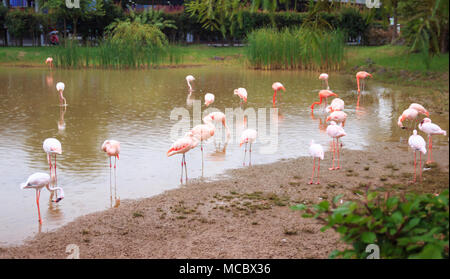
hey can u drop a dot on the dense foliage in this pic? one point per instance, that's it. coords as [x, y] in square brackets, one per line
[412, 226]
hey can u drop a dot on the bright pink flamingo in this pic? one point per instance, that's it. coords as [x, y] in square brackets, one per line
[181, 146]
[323, 94]
[203, 132]
[60, 87]
[112, 149]
[276, 87]
[324, 78]
[335, 131]
[316, 151]
[49, 61]
[209, 99]
[38, 181]
[430, 129]
[52, 146]
[361, 76]
[248, 136]
[417, 143]
[336, 104]
[242, 93]
[407, 114]
[338, 117]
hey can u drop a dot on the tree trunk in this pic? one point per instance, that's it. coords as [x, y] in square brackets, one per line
[444, 39]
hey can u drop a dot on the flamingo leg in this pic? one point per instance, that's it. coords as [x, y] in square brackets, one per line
[414, 180]
[115, 182]
[420, 165]
[332, 168]
[110, 165]
[181, 177]
[318, 171]
[110, 183]
[38, 195]
[49, 159]
[312, 175]
[56, 179]
[201, 148]
[250, 155]
[338, 164]
[185, 168]
[245, 153]
[115, 160]
[431, 149]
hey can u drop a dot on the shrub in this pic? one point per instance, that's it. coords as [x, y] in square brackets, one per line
[411, 226]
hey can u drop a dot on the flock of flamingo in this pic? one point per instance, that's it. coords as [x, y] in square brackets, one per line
[202, 132]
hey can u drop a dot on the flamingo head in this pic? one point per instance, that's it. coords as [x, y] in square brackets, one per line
[59, 194]
[243, 141]
[425, 120]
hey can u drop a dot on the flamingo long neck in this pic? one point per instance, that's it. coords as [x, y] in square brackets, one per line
[316, 103]
[189, 84]
[326, 83]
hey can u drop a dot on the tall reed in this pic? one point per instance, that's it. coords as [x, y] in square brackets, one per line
[299, 48]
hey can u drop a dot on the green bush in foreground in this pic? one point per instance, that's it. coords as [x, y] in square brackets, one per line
[413, 226]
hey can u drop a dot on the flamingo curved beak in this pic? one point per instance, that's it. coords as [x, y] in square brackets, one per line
[328, 119]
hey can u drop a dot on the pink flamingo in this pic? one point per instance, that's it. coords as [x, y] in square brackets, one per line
[417, 143]
[203, 132]
[52, 146]
[323, 94]
[362, 76]
[316, 151]
[338, 117]
[336, 104]
[276, 87]
[248, 136]
[38, 181]
[324, 77]
[335, 131]
[218, 117]
[60, 87]
[190, 79]
[49, 61]
[209, 99]
[181, 146]
[430, 129]
[112, 149]
[242, 93]
[420, 109]
[407, 114]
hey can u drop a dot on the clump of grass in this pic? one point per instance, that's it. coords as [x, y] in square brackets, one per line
[137, 214]
[299, 48]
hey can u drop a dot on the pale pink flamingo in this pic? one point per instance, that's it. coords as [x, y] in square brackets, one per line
[407, 114]
[324, 78]
[242, 93]
[60, 87]
[417, 143]
[338, 117]
[52, 146]
[276, 87]
[203, 132]
[112, 149]
[181, 146]
[248, 136]
[49, 61]
[420, 109]
[335, 132]
[336, 104]
[38, 181]
[218, 117]
[190, 79]
[209, 99]
[430, 129]
[361, 77]
[316, 151]
[323, 94]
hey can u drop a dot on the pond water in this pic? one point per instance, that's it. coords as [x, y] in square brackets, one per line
[134, 107]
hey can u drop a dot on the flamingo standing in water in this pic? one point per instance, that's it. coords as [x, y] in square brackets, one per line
[203, 132]
[38, 181]
[52, 146]
[248, 136]
[60, 87]
[190, 79]
[209, 99]
[430, 129]
[323, 94]
[49, 61]
[316, 151]
[242, 93]
[338, 117]
[417, 143]
[181, 146]
[408, 114]
[335, 132]
[218, 117]
[361, 77]
[324, 78]
[276, 87]
[112, 149]
[336, 104]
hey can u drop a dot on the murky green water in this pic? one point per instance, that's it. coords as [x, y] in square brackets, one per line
[134, 107]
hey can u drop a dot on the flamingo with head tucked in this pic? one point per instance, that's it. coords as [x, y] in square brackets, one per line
[335, 132]
[276, 86]
[181, 146]
[336, 104]
[190, 79]
[38, 181]
[420, 109]
[361, 77]
[338, 117]
[248, 136]
[242, 93]
[60, 87]
[323, 94]
[209, 99]
[316, 151]
[112, 149]
[417, 143]
[324, 78]
[430, 129]
[408, 114]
